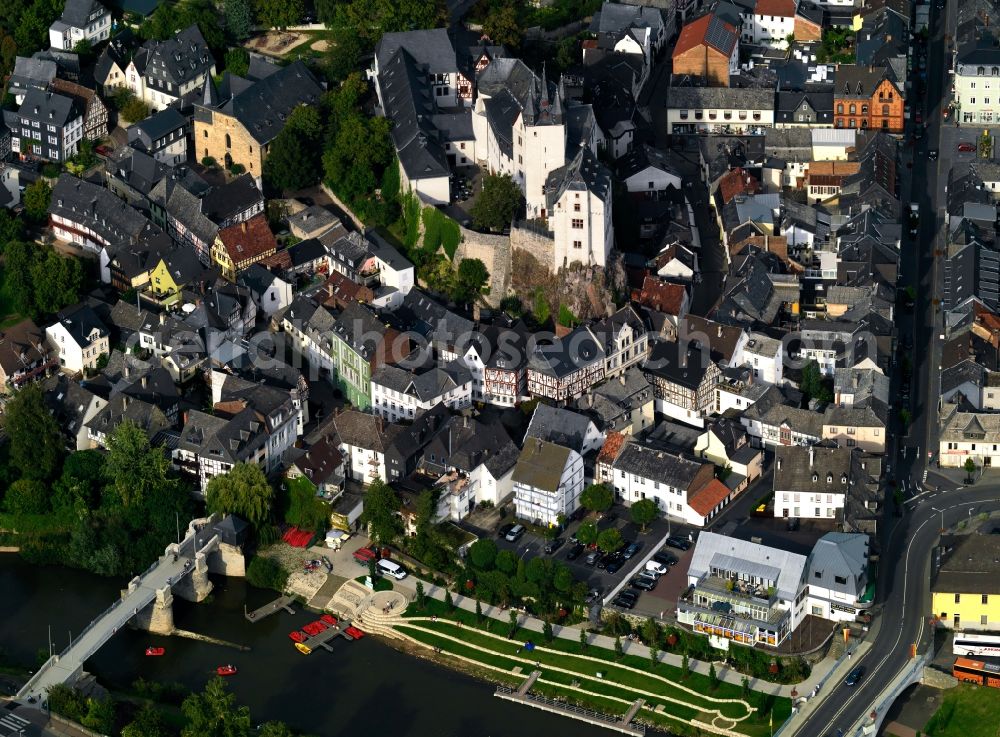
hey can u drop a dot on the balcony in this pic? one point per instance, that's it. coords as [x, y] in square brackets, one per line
[370, 277]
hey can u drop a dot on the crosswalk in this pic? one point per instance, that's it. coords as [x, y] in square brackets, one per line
[11, 724]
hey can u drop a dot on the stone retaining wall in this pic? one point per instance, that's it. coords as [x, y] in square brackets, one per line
[494, 252]
[540, 246]
[358, 225]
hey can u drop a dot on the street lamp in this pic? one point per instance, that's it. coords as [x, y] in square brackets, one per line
[942, 516]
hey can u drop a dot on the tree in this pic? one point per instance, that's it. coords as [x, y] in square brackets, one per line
[293, 159]
[342, 56]
[381, 513]
[421, 595]
[501, 25]
[619, 650]
[654, 655]
[147, 723]
[506, 562]
[583, 639]
[81, 481]
[36, 199]
[275, 729]
[685, 666]
[11, 228]
[562, 579]
[371, 19]
[100, 716]
[513, 623]
[470, 281]
[214, 713]
[479, 611]
[239, 20]
[449, 602]
[134, 110]
[27, 496]
[597, 498]
[483, 553]
[279, 13]
[267, 573]
[547, 633]
[587, 534]
[713, 677]
[132, 466]
[970, 469]
[610, 540]
[36, 445]
[745, 687]
[651, 632]
[813, 385]
[243, 491]
[238, 61]
[497, 203]
[644, 512]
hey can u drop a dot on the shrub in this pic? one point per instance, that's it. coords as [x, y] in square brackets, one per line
[267, 573]
[135, 110]
[236, 169]
[208, 161]
[51, 170]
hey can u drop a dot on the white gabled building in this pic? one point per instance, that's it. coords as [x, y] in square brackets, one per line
[839, 586]
[548, 480]
[398, 394]
[80, 338]
[764, 356]
[81, 20]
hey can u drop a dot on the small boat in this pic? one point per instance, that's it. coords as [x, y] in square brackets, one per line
[154, 651]
[354, 632]
[297, 636]
[329, 619]
[226, 670]
[304, 649]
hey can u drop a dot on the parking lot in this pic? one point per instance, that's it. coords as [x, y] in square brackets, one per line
[662, 599]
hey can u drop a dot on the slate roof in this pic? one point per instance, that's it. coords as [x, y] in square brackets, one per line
[321, 461]
[541, 465]
[427, 385]
[803, 421]
[613, 17]
[642, 157]
[136, 168]
[431, 319]
[68, 401]
[560, 426]
[431, 47]
[814, 469]
[357, 322]
[176, 61]
[728, 98]
[46, 107]
[578, 349]
[970, 566]
[842, 555]
[721, 339]
[21, 345]
[31, 73]
[656, 465]
[582, 173]
[785, 569]
[681, 363]
[264, 106]
[148, 417]
[108, 216]
[789, 104]
[77, 12]
[466, 443]
[156, 126]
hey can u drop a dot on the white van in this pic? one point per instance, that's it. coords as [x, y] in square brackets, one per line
[656, 567]
[392, 569]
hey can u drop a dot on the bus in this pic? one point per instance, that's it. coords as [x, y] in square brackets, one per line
[976, 644]
[977, 671]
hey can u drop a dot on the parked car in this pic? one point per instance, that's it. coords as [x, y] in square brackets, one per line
[626, 599]
[966, 147]
[614, 565]
[514, 534]
[642, 583]
[504, 529]
[630, 550]
[553, 545]
[575, 552]
[592, 557]
[932, 154]
[655, 566]
[605, 560]
[855, 676]
[665, 558]
[679, 543]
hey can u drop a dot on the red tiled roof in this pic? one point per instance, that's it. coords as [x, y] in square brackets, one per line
[662, 296]
[708, 497]
[693, 35]
[736, 182]
[248, 240]
[611, 448]
[782, 8]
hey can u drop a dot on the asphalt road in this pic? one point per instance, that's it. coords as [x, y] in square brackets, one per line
[903, 589]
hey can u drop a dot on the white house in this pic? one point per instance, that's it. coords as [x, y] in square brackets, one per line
[682, 488]
[269, 291]
[548, 481]
[764, 356]
[579, 205]
[838, 583]
[162, 72]
[398, 394]
[80, 338]
[718, 109]
[773, 22]
[813, 482]
[647, 171]
[977, 80]
[81, 20]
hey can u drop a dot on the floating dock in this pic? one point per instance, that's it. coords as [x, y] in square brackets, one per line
[282, 603]
[323, 638]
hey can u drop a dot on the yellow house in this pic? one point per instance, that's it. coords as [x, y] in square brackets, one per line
[174, 272]
[965, 593]
[727, 444]
[239, 246]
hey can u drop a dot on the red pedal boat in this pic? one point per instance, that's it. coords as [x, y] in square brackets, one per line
[330, 620]
[154, 651]
[355, 633]
[226, 670]
[297, 636]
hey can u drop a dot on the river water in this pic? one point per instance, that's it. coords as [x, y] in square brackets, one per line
[363, 685]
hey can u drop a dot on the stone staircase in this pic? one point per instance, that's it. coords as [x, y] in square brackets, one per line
[350, 600]
[374, 622]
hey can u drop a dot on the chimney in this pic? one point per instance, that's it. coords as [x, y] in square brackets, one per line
[144, 381]
[718, 332]
[779, 464]
[243, 226]
[812, 455]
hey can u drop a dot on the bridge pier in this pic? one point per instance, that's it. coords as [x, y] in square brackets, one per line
[196, 585]
[158, 617]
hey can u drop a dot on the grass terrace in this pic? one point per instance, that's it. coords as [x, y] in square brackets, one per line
[967, 711]
[593, 676]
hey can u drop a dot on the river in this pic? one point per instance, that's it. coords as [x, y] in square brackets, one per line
[363, 685]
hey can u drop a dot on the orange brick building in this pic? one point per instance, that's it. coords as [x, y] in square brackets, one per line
[707, 47]
[867, 97]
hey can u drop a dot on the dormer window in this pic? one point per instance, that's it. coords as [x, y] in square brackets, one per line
[829, 478]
